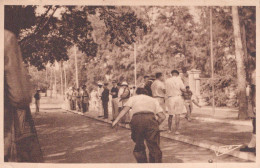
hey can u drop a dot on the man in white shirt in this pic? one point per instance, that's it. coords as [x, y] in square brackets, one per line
[158, 89]
[99, 101]
[144, 125]
[175, 103]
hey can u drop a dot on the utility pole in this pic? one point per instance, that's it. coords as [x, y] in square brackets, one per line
[135, 61]
[61, 79]
[212, 63]
[65, 78]
[76, 66]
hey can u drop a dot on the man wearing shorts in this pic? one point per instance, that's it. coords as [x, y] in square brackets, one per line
[174, 87]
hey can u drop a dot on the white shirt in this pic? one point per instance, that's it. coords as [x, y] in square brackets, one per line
[173, 86]
[158, 88]
[143, 103]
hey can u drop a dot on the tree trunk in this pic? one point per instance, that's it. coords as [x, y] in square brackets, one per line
[241, 73]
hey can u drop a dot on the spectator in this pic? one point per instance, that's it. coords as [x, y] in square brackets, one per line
[17, 114]
[37, 98]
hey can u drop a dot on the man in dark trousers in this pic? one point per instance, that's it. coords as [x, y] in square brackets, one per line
[105, 99]
[147, 85]
[85, 99]
[114, 93]
[147, 116]
[37, 98]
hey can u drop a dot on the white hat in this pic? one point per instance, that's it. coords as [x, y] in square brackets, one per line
[99, 83]
[124, 84]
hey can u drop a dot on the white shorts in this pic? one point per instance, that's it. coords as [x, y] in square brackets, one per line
[175, 105]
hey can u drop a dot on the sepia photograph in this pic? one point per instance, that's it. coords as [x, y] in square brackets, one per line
[129, 84]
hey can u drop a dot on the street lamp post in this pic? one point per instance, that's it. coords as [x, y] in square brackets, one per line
[135, 61]
[76, 66]
[212, 63]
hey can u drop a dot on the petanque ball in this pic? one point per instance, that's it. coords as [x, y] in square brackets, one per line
[210, 161]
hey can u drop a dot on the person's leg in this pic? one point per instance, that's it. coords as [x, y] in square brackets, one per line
[84, 107]
[177, 123]
[105, 106]
[116, 107]
[152, 137]
[113, 109]
[188, 110]
[137, 135]
[170, 122]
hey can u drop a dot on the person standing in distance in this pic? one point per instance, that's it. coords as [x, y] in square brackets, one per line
[105, 99]
[158, 89]
[37, 98]
[189, 100]
[144, 125]
[175, 103]
[114, 93]
[99, 101]
[85, 99]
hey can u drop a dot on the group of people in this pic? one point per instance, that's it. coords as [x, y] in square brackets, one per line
[173, 96]
[153, 99]
[78, 98]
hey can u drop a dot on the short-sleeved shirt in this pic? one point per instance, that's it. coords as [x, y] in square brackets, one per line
[114, 90]
[187, 95]
[173, 86]
[143, 103]
[158, 88]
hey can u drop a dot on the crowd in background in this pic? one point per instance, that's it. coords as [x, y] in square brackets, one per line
[155, 86]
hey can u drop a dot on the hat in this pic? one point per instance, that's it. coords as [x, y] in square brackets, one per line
[124, 84]
[113, 81]
[99, 83]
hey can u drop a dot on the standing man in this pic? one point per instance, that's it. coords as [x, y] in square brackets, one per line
[105, 99]
[85, 99]
[123, 98]
[79, 101]
[114, 93]
[74, 98]
[99, 101]
[189, 99]
[37, 98]
[158, 89]
[251, 147]
[147, 85]
[174, 87]
[144, 126]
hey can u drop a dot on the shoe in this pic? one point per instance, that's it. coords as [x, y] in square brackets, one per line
[247, 149]
[100, 116]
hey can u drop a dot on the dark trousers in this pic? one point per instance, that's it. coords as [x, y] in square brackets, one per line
[79, 104]
[145, 127]
[73, 104]
[105, 107]
[254, 125]
[84, 107]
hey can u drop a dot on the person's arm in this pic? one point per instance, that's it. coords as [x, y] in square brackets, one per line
[161, 117]
[121, 114]
[193, 101]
